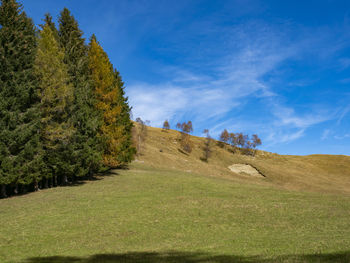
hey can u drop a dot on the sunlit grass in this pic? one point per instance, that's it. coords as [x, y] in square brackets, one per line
[152, 210]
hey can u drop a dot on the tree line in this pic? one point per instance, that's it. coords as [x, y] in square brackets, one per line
[241, 141]
[238, 141]
[63, 110]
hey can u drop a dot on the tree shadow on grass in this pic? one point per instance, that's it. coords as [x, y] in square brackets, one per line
[187, 257]
[95, 177]
[76, 182]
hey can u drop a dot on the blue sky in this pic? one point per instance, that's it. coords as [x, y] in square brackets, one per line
[280, 69]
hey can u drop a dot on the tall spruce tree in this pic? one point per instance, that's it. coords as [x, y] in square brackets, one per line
[86, 118]
[116, 127]
[20, 148]
[123, 120]
[56, 94]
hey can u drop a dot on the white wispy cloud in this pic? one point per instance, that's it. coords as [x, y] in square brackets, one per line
[325, 134]
[288, 126]
[156, 103]
[343, 113]
[169, 101]
[286, 116]
[341, 137]
[233, 81]
[275, 137]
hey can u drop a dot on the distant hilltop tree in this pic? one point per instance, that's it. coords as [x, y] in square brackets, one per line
[233, 139]
[256, 141]
[240, 141]
[207, 148]
[140, 133]
[185, 128]
[224, 138]
[166, 125]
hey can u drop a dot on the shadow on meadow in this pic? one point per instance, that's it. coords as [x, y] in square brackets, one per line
[76, 182]
[190, 258]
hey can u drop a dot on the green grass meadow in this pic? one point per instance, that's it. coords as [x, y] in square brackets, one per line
[154, 215]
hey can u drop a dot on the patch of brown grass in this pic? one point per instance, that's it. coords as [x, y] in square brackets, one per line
[315, 173]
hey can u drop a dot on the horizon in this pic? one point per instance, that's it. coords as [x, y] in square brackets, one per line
[278, 70]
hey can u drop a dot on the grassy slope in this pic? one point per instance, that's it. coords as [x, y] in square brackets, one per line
[172, 214]
[152, 210]
[321, 173]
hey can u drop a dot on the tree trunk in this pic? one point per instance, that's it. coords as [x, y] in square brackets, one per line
[3, 191]
[46, 183]
[64, 180]
[50, 182]
[90, 176]
[55, 181]
[15, 190]
[24, 189]
[36, 186]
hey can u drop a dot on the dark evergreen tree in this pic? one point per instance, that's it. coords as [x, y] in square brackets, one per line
[127, 151]
[20, 148]
[86, 119]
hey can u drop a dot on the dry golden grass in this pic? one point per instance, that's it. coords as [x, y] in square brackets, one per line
[315, 173]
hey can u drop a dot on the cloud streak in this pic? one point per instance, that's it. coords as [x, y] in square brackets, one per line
[231, 80]
[242, 78]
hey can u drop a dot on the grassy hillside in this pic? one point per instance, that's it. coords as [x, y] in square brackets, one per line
[154, 215]
[321, 173]
[172, 207]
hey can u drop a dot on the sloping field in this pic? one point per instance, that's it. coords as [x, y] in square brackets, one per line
[317, 173]
[173, 207]
[154, 215]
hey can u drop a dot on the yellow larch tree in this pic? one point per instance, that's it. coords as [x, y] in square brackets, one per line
[108, 95]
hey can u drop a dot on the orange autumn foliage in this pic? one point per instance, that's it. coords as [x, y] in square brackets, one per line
[108, 102]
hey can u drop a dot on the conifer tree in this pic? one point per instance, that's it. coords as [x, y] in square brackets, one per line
[56, 94]
[116, 126]
[86, 118]
[127, 152]
[20, 148]
[48, 21]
